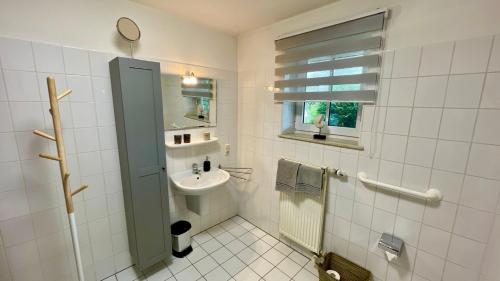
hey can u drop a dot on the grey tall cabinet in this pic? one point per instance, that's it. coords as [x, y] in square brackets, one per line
[141, 143]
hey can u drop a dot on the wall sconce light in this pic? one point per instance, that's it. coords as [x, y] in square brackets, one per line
[189, 79]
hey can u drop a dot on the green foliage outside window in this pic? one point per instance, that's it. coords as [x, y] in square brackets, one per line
[205, 104]
[339, 114]
[343, 114]
[312, 109]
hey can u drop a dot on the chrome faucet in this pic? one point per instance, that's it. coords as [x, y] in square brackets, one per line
[196, 170]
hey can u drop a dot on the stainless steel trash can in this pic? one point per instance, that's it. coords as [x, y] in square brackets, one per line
[181, 239]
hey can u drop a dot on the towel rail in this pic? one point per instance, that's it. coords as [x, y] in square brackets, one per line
[244, 175]
[431, 194]
[334, 171]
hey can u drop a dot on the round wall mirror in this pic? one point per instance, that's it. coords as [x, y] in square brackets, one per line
[128, 29]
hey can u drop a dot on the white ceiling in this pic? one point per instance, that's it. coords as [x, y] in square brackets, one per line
[235, 16]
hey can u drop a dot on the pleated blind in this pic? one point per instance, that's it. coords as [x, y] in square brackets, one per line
[204, 88]
[336, 63]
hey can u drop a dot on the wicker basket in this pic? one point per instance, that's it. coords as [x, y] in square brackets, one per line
[348, 270]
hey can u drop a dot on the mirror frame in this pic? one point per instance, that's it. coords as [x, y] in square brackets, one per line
[126, 37]
[214, 97]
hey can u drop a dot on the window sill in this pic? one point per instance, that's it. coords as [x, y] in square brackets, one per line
[351, 144]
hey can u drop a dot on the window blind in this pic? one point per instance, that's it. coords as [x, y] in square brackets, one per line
[336, 63]
[204, 88]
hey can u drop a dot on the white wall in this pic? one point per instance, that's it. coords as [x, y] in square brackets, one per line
[90, 24]
[412, 23]
[420, 141]
[34, 235]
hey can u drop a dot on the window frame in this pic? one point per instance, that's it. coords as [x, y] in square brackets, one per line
[330, 130]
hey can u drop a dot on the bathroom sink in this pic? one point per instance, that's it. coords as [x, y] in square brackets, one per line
[188, 183]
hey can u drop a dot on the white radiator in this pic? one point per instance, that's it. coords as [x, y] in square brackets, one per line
[302, 217]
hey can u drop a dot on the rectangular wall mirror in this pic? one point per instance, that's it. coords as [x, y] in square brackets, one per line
[188, 105]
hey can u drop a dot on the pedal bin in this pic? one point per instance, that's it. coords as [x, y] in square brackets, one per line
[181, 239]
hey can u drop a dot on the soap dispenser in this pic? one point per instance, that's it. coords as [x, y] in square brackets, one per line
[206, 165]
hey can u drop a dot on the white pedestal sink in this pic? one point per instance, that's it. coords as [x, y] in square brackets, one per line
[194, 186]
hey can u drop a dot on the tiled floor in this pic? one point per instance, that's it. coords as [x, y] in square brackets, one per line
[234, 250]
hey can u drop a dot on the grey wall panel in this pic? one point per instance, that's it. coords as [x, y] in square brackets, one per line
[139, 125]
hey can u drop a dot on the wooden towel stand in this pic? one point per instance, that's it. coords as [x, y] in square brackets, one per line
[61, 158]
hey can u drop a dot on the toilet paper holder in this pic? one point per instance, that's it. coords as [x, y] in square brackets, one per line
[391, 244]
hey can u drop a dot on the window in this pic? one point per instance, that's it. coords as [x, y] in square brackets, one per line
[341, 118]
[312, 109]
[343, 114]
[337, 114]
[205, 104]
[331, 71]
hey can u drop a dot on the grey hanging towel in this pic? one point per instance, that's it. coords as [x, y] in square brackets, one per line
[309, 180]
[286, 176]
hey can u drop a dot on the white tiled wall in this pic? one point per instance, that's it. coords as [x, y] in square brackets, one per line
[436, 124]
[34, 235]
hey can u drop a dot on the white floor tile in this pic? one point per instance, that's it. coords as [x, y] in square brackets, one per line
[238, 231]
[249, 238]
[188, 274]
[178, 265]
[206, 265]
[258, 232]
[235, 246]
[221, 255]
[283, 248]
[304, 275]
[225, 237]
[238, 220]
[247, 255]
[260, 247]
[218, 274]
[248, 226]
[211, 246]
[247, 275]
[233, 266]
[128, 274]
[270, 240]
[299, 258]
[197, 254]
[289, 267]
[311, 267]
[229, 224]
[234, 250]
[261, 266]
[276, 275]
[202, 237]
[273, 256]
[216, 230]
[194, 243]
[160, 274]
